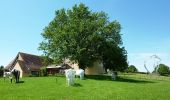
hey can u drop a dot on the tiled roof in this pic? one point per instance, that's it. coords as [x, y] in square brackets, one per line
[29, 62]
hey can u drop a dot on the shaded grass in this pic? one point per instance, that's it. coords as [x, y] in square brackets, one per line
[92, 88]
[119, 79]
[145, 76]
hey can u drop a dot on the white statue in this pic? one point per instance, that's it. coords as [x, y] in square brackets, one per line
[80, 72]
[70, 75]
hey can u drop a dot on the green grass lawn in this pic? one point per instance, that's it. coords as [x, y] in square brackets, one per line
[127, 87]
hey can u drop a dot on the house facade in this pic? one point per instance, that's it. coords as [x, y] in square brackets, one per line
[97, 67]
[27, 64]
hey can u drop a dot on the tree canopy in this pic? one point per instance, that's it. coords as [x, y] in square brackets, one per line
[132, 69]
[163, 69]
[84, 36]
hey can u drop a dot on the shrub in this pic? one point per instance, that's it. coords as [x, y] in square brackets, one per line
[43, 71]
[132, 69]
[163, 69]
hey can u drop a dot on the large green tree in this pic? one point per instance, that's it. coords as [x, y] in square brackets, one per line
[84, 36]
[163, 69]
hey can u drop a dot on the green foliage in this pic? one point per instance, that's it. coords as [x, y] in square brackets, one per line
[132, 69]
[46, 60]
[84, 36]
[115, 58]
[163, 69]
[43, 71]
[1, 71]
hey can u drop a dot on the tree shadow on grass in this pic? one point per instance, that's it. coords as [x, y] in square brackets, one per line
[77, 85]
[20, 82]
[129, 80]
[119, 79]
[98, 77]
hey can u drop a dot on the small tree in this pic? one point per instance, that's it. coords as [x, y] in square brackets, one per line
[1, 70]
[132, 69]
[163, 69]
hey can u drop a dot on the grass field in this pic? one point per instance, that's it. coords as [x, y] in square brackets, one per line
[127, 87]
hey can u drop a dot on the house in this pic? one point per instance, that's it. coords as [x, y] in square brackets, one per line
[53, 69]
[96, 68]
[28, 64]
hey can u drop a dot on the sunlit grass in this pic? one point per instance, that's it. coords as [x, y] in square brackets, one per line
[127, 87]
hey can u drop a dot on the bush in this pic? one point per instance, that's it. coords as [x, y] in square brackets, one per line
[1, 71]
[43, 71]
[132, 69]
[163, 69]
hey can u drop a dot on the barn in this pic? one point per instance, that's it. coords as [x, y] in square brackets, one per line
[28, 64]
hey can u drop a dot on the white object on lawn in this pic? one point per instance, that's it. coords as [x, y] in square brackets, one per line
[80, 72]
[70, 75]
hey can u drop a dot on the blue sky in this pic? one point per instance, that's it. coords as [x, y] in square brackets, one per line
[145, 26]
